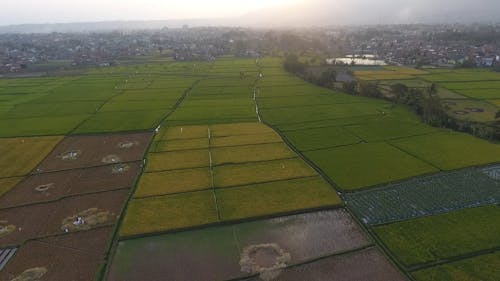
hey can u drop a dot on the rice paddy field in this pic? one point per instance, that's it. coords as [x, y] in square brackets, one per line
[236, 170]
[468, 94]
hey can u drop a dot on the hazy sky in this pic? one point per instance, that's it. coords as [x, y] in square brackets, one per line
[54, 11]
[284, 12]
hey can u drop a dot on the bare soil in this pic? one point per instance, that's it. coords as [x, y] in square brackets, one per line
[68, 257]
[46, 219]
[90, 151]
[53, 186]
[367, 264]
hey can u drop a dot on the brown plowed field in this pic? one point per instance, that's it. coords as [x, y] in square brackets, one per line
[89, 151]
[53, 186]
[72, 257]
[45, 219]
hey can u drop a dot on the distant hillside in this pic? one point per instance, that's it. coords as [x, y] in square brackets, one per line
[107, 26]
[309, 13]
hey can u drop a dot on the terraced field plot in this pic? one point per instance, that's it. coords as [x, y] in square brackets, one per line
[171, 182]
[468, 94]
[217, 100]
[18, 156]
[377, 163]
[450, 150]
[344, 267]
[53, 186]
[480, 268]
[252, 173]
[359, 142]
[91, 104]
[239, 178]
[176, 160]
[221, 193]
[274, 198]
[389, 73]
[42, 220]
[162, 213]
[62, 215]
[177, 256]
[89, 151]
[65, 257]
[441, 237]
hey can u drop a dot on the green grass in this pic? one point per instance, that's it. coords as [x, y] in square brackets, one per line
[434, 238]
[364, 165]
[28, 110]
[318, 138]
[118, 106]
[163, 161]
[466, 75]
[277, 197]
[250, 173]
[120, 121]
[388, 128]
[163, 183]
[251, 153]
[40, 126]
[480, 93]
[279, 116]
[196, 115]
[208, 102]
[148, 95]
[481, 268]
[465, 105]
[157, 214]
[451, 150]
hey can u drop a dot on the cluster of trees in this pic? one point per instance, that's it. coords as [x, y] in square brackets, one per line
[424, 102]
[496, 66]
[326, 78]
[427, 104]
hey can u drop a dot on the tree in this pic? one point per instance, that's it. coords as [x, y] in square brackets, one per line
[369, 89]
[328, 78]
[497, 116]
[350, 87]
[496, 66]
[468, 63]
[293, 65]
[399, 88]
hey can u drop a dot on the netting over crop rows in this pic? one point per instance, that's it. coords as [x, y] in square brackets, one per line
[426, 196]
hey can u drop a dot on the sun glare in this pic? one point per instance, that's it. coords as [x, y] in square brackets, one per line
[231, 7]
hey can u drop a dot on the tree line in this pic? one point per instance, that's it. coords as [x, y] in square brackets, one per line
[425, 102]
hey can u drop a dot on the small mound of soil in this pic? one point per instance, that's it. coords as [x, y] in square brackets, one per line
[86, 220]
[70, 155]
[32, 274]
[120, 168]
[128, 144]
[6, 229]
[110, 159]
[44, 187]
[267, 260]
